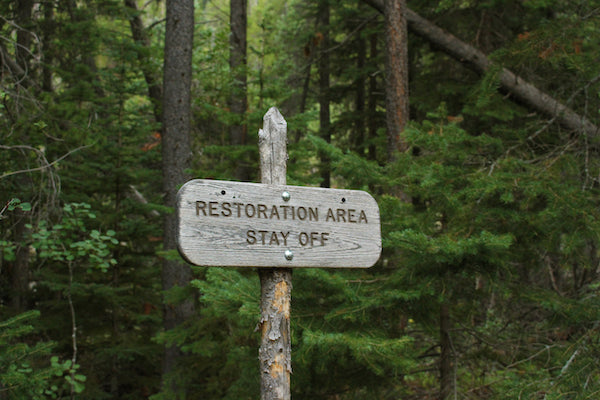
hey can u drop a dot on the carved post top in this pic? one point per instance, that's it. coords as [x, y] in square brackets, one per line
[272, 144]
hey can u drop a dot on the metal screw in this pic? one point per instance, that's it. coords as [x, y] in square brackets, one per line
[285, 196]
[289, 255]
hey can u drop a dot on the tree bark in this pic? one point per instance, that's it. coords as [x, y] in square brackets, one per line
[18, 67]
[23, 45]
[324, 112]
[276, 284]
[20, 270]
[446, 361]
[396, 74]
[372, 102]
[238, 102]
[521, 90]
[176, 155]
[361, 56]
[48, 29]
[20, 267]
[309, 51]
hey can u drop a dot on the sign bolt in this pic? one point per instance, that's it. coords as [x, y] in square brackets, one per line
[285, 196]
[289, 255]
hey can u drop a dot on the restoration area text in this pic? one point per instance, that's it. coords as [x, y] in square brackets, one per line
[226, 209]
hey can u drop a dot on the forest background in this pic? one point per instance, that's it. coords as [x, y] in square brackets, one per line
[473, 123]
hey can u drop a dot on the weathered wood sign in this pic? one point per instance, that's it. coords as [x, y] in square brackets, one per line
[241, 224]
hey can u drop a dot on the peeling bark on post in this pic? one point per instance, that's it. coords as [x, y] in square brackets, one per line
[275, 352]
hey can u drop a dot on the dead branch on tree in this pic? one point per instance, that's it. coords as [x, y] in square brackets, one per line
[476, 60]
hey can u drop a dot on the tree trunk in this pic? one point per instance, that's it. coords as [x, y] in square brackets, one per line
[23, 45]
[446, 354]
[176, 154]
[324, 113]
[309, 51]
[20, 270]
[237, 64]
[396, 74]
[304, 98]
[372, 102]
[520, 89]
[48, 58]
[276, 284]
[20, 267]
[359, 134]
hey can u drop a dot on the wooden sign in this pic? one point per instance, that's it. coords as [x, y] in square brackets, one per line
[242, 224]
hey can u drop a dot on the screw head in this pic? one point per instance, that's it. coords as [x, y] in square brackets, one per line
[285, 196]
[288, 255]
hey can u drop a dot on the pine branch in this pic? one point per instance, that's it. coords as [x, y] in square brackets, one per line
[138, 32]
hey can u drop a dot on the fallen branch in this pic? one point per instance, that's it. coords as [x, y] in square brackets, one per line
[476, 60]
[142, 200]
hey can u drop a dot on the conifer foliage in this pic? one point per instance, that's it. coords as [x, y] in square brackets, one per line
[487, 284]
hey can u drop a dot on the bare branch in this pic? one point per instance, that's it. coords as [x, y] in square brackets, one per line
[39, 153]
[19, 74]
[141, 199]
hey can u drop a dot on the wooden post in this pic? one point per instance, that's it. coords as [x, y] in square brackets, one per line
[275, 352]
[210, 233]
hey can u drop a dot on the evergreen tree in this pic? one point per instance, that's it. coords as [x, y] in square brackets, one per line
[486, 285]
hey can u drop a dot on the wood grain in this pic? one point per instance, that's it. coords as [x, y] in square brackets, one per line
[241, 224]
